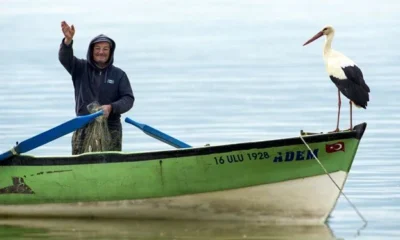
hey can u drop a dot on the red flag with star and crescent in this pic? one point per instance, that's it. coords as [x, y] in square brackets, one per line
[334, 147]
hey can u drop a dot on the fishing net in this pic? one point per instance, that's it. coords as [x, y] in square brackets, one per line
[97, 137]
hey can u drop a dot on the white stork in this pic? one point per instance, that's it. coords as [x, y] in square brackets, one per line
[344, 73]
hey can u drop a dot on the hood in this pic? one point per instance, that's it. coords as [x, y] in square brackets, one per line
[100, 38]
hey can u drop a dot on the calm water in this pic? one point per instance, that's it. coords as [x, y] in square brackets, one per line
[213, 72]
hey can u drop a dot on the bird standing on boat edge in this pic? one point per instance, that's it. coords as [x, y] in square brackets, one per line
[344, 73]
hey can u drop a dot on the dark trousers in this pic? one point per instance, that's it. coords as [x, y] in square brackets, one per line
[78, 138]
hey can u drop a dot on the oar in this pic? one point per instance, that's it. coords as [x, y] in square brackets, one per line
[158, 134]
[50, 135]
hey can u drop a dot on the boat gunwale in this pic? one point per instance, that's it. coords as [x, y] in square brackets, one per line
[119, 157]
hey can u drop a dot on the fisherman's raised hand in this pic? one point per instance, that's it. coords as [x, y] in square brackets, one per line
[106, 110]
[68, 31]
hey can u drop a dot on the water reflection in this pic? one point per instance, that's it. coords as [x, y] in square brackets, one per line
[133, 229]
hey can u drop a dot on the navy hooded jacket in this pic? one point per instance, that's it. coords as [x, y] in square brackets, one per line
[109, 85]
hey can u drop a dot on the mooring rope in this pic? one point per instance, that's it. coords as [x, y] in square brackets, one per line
[340, 190]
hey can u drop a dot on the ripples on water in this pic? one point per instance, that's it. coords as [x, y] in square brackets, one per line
[128, 229]
[218, 72]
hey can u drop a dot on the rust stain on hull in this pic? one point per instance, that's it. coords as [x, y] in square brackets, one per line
[19, 186]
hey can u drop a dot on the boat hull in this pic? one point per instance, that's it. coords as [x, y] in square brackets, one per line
[305, 201]
[277, 180]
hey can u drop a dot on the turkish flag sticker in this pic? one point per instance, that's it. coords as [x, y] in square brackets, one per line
[335, 147]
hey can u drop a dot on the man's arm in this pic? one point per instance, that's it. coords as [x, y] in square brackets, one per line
[66, 53]
[68, 60]
[126, 100]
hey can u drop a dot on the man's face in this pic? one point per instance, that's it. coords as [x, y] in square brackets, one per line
[101, 52]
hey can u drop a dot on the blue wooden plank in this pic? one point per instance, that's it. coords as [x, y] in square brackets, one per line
[50, 135]
[158, 134]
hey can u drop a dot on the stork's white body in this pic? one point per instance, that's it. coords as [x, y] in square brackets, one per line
[335, 62]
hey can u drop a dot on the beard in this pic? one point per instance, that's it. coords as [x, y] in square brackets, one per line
[102, 61]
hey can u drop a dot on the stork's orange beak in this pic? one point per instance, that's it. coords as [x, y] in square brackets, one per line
[318, 35]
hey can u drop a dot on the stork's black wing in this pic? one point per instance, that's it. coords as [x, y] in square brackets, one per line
[354, 74]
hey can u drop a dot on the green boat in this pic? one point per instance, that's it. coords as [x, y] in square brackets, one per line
[289, 180]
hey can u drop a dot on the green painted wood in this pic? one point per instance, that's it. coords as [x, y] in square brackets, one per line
[169, 176]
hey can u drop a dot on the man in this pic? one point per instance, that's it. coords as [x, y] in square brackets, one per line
[96, 79]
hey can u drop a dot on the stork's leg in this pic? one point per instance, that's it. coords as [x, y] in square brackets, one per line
[338, 114]
[351, 116]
